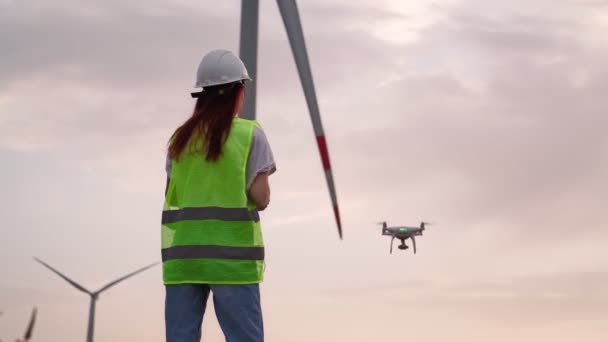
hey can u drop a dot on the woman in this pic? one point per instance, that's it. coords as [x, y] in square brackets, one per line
[217, 181]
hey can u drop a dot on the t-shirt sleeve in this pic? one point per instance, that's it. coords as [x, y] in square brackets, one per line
[261, 158]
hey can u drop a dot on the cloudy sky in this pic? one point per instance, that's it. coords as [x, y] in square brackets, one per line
[486, 118]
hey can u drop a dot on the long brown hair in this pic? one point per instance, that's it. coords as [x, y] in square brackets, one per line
[210, 122]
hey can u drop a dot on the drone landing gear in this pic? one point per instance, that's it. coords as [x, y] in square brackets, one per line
[403, 246]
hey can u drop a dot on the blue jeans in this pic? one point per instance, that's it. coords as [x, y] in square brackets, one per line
[237, 308]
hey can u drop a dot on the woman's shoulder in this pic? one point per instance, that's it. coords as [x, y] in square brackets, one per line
[259, 139]
[259, 135]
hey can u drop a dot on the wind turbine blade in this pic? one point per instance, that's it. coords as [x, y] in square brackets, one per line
[291, 20]
[248, 52]
[75, 284]
[125, 277]
[392, 239]
[30, 328]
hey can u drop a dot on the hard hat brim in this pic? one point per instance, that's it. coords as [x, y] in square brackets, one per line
[218, 82]
[200, 93]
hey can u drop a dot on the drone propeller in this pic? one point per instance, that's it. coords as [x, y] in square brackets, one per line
[382, 227]
[424, 224]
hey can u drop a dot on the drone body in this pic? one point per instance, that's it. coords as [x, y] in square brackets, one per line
[403, 233]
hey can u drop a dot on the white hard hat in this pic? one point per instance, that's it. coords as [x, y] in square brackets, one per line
[220, 67]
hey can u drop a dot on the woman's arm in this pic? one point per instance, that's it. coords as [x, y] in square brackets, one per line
[259, 192]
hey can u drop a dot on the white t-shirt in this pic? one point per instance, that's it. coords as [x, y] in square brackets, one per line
[260, 157]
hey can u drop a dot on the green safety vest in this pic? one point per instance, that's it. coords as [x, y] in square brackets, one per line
[211, 231]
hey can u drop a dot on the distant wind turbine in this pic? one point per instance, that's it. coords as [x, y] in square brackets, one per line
[94, 295]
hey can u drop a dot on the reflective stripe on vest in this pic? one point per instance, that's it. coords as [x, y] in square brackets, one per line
[210, 213]
[213, 252]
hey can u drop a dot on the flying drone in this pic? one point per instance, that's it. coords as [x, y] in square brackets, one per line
[403, 233]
